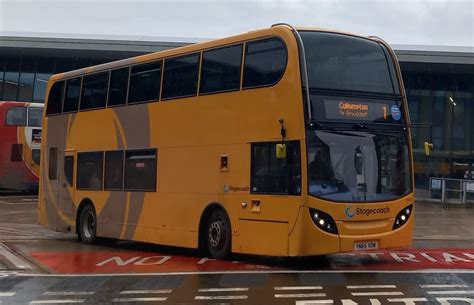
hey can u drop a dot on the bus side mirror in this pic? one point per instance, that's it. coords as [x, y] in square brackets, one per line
[428, 147]
[281, 151]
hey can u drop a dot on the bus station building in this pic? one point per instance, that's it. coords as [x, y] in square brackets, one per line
[439, 83]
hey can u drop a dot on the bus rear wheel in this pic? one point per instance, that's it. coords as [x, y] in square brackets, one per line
[88, 225]
[218, 234]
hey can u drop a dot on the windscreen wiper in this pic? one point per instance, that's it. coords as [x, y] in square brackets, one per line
[365, 125]
[356, 94]
[380, 131]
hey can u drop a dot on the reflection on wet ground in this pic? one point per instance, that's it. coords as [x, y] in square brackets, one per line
[39, 266]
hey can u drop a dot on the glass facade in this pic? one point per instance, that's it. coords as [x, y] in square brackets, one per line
[24, 78]
[441, 95]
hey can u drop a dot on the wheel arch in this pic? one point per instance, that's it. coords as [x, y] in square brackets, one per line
[84, 202]
[204, 216]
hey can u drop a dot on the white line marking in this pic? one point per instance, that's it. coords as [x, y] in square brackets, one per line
[220, 297]
[7, 273]
[18, 203]
[408, 300]
[67, 301]
[444, 286]
[68, 293]
[309, 302]
[146, 291]
[429, 271]
[300, 295]
[448, 300]
[18, 262]
[222, 289]
[126, 300]
[377, 293]
[7, 294]
[371, 286]
[452, 292]
[298, 288]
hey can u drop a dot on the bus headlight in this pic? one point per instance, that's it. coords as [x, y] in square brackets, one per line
[402, 217]
[323, 221]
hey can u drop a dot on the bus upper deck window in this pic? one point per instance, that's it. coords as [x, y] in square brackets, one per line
[16, 116]
[221, 69]
[71, 97]
[55, 98]
[35, 116]
[265, 62]
[94, 91]
[180, 76]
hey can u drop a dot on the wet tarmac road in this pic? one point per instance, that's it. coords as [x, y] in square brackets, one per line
[244, 288]
[38, 266]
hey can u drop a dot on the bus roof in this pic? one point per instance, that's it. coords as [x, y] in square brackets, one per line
[278, 28]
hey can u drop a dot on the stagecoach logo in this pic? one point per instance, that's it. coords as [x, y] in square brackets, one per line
[351, 212]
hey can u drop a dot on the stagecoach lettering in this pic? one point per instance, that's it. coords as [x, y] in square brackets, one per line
[239, 188]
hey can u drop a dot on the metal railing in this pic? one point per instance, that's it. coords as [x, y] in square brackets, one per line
[456, 191]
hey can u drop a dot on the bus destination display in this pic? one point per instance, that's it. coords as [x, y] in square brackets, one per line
[360, 110]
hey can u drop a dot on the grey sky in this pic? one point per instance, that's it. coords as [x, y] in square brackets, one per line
[432, 22]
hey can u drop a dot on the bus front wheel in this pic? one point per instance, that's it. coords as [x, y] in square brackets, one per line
[218, 234]
[88, 225]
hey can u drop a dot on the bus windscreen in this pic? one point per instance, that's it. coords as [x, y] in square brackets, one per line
[358, 166]
[344, 62]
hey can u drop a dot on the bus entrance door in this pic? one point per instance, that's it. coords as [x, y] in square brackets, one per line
[66, 214]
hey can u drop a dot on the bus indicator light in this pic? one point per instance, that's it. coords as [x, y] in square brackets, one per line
[402, 217]
[323, 221]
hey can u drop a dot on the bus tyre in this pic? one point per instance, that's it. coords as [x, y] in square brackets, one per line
[88, 225]
[218, 234]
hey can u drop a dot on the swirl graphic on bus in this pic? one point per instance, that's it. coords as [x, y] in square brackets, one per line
[350, 212]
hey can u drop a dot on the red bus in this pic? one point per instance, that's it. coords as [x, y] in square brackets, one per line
[20, 142]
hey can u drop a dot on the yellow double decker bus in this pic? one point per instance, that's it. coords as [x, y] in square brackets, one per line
[280, 141]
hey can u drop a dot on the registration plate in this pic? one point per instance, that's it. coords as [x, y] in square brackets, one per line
[366, 245]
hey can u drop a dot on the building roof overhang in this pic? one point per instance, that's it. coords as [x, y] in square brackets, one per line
[122, 46]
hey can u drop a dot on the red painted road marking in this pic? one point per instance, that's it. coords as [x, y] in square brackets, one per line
[133, 261]
[152, 262]
[405, 259]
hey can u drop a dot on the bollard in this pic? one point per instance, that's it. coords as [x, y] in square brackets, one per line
[464, 191]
